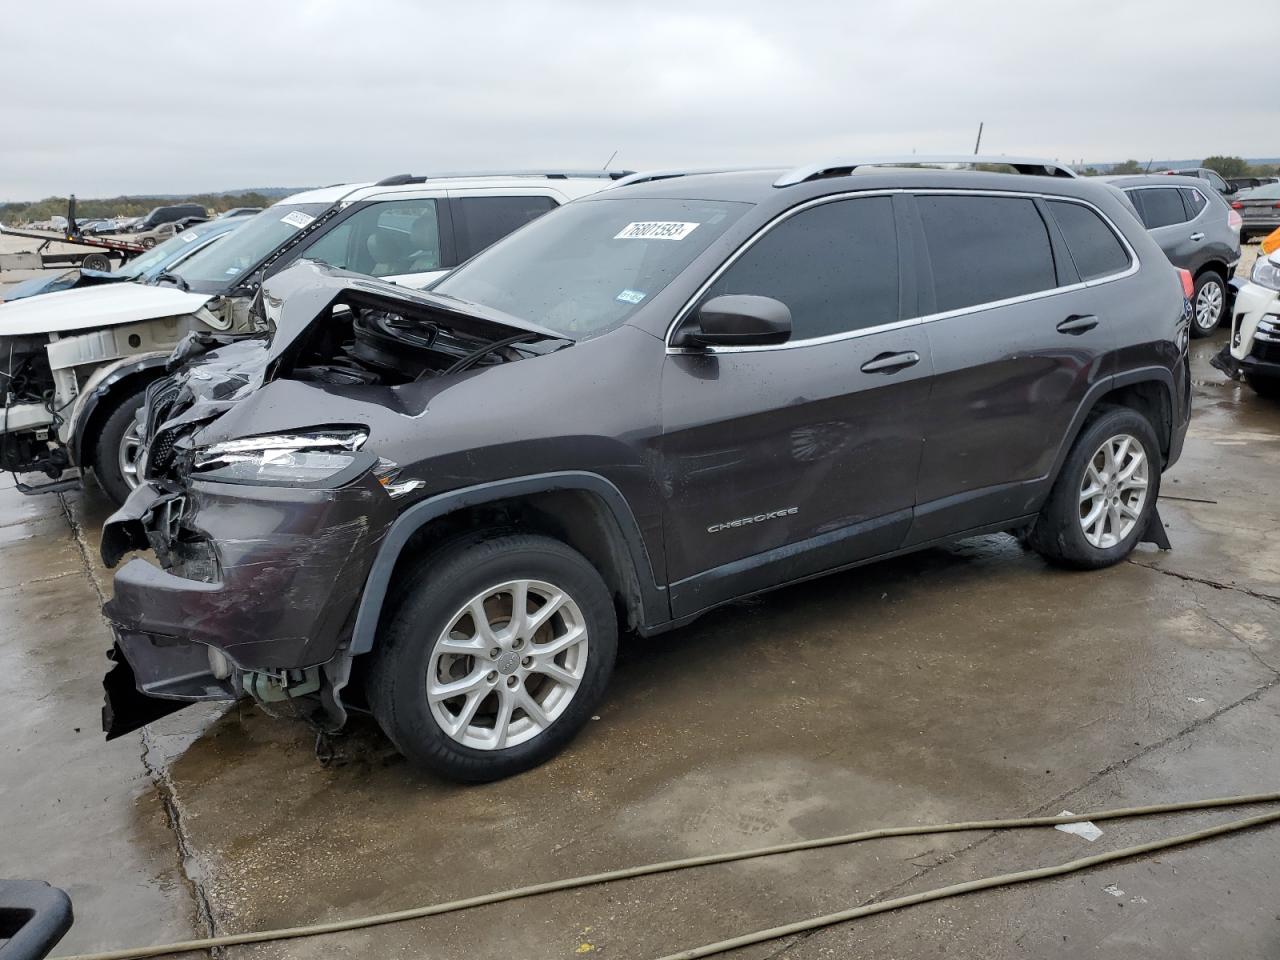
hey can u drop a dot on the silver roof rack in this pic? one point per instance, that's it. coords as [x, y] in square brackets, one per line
[649, 176]
[406, 178]
[1031, 166]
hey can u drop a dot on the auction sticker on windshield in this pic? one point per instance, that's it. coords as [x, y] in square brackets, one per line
[656, 230]
[297, 219]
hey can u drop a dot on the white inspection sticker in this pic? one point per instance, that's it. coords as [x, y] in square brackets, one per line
[297, 219]
[656, 230]
[187, 237]
[629, 296]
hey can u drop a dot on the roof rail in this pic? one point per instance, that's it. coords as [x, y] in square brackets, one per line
[403, 178]
[650, 176]
[1030, 166]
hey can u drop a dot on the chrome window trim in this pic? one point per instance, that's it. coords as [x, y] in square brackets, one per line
[683, 313]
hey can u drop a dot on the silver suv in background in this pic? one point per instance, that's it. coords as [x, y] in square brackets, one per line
[1197, 230]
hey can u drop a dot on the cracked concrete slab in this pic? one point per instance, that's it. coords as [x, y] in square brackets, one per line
[958, 683]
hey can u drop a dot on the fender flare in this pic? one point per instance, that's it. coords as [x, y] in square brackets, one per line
[654, 606]
[91, 400]
[1161, 375]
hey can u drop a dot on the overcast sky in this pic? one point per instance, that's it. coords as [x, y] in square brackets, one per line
[134, 97]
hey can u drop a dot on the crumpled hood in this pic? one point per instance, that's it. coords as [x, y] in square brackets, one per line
[293, 301]
[106, 305]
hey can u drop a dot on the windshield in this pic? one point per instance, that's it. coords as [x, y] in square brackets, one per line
[583, 269]
[154, 260]
[222, 265]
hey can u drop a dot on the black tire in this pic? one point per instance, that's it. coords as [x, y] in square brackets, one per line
[431, 595]
[1268, 387]
[1212, 280]
[96, 261]
[106, 448]
[148, 243]
[1058, 534]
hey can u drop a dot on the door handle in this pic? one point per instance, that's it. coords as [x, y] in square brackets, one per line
[1197, 236]
[1076, 325]
[891, 362]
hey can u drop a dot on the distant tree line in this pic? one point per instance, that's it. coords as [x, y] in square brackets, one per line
[1227, 166]
[39, 210]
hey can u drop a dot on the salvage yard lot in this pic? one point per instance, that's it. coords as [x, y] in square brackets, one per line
[959, 683]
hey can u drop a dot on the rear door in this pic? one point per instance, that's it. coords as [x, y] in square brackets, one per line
[1165, 214]
[781, 462]
[1018, 339]
[481, 218]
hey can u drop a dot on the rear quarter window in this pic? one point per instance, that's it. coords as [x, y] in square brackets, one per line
[984, 249]
[1094, 247]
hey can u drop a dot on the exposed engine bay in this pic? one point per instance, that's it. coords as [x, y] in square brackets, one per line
[360, 345]
[31, 410]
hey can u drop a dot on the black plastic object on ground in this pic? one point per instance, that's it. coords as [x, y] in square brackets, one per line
[33, 918]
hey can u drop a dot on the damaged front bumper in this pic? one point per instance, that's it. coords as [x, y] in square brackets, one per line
[257, 596]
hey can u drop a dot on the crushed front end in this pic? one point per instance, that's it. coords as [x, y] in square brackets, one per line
[256, 586]
[265, 499]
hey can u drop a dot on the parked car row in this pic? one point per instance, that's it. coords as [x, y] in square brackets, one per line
[443, 506]
[1197, 230]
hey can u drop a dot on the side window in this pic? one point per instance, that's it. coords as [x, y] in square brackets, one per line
[480, 222]
[1216, 181]
[985, 249]
[384, 239]
[1193, 200]
[1161, 207]
[1096, 250]
[835, 266]
[332, 247]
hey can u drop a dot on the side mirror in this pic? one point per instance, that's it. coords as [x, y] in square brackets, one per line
[736, 320]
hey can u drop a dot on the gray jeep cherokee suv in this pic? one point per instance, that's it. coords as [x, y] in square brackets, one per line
[641, 406]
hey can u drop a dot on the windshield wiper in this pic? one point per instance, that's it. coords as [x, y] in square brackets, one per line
[174, 279]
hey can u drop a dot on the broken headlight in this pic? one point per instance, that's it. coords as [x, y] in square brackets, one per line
[280, 458]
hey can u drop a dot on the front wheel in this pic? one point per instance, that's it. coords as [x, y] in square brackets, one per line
[1208, 304]
[116, 452]
[495, 654]
[1105, 494]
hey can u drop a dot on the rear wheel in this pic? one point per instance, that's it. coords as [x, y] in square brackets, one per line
[115, 456]
[1105, 494]
[1208, 304]
[96, 261]
[494, 656]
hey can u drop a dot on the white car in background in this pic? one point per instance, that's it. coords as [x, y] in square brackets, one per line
[1254, 349]
[77, 363]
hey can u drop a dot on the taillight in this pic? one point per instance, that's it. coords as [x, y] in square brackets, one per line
[1188, 282]
[1234, 221]
[1237, 205]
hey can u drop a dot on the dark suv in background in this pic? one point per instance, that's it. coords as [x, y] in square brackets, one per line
[1197, 230]
[648, 403]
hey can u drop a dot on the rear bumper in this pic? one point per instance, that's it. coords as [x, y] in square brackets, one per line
[261, 581]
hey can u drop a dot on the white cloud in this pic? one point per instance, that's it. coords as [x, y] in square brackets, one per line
[148, 96]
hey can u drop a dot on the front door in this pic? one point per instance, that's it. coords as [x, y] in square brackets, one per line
[781, 462]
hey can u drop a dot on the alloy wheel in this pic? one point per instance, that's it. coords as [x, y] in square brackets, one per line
[1209, 304]
[130, 451]
[507, 665]
[1113, 491]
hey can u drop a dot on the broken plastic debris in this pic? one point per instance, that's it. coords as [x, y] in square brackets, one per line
[1112, 889]
[1085, 828]
[1196, 699]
